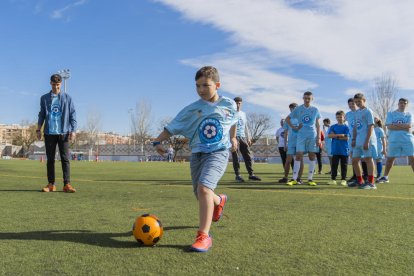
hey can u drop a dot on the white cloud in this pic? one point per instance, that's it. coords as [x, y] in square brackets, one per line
[59, 13]
[358, 40]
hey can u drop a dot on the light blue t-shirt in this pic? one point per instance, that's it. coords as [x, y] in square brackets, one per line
[350, 118]
[55, 116]
[363, 119]
[379, 132]
[241, 124]
[306, 116]
[397, 117]
[292, 134]
[206, 124]
[328, 141]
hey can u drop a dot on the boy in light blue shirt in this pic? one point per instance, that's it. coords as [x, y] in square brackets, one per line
[400, 138]
[381, 145]
[364, 142]
[308, 139]
[210, 124]
[291, 136]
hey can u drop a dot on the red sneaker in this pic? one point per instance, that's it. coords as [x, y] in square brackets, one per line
[68, 188]
[202, 243]
[218, 210]
[49, 188]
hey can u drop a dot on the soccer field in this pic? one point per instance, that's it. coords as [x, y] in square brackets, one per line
[267, 228]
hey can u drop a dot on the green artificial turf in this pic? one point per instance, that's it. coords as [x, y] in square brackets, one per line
[267, 228]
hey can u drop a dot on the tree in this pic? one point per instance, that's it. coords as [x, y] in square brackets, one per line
[93, 125]
[178, 142]
[258, 124]
[383, 97]
[26, 137]
[141, 123]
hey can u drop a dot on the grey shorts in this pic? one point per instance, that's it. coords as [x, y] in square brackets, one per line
[208, 168]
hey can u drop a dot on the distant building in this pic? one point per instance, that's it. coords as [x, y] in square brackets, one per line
[8, 132]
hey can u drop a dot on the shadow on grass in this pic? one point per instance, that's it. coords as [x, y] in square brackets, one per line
[14, 190]
[106, 240]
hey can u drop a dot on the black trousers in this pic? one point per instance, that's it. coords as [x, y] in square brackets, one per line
[344, 166]
[319, 159]
[62, 141]
[247, 156]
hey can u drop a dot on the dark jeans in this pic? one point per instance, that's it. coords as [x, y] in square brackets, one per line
[245, 151]
[319, 159]
[283, 155]
[62, 141]
[344, 166]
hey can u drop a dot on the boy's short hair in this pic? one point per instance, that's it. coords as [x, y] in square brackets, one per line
[359, 96]
[56, 78]
[327, 120]
[293, 105]
[208, 72]
[403, 100]
[238, 99]
[378, 122]
[340, 112]
[350, 100]
[307, 93]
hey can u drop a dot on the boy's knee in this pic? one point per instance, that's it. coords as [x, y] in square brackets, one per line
[201, 189]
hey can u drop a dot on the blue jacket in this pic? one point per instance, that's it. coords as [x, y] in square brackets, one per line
[69, 123]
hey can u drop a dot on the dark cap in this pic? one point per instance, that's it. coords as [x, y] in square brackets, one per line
[238, 99]
[56, 78]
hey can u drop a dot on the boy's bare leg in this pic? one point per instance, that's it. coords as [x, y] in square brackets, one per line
[206, 201]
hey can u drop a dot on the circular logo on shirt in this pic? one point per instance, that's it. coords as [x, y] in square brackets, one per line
[210, 131]
[358, 124]
[306, 119]
[399, 121]
[55, 110]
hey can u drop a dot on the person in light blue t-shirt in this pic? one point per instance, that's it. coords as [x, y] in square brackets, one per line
[308, 139]
[400, 137]
[381, 145]
[244, 142]
[290, 147]
[364, 142]
[210, 124]
[57, 116]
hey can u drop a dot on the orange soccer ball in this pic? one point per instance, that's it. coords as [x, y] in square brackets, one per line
[147, 229]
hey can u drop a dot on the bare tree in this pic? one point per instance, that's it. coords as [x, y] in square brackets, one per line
[383, 96]
[258, 124]
[141, 123]
[178, 142]
[93, 125]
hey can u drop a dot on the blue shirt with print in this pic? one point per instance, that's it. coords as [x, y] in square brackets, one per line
[397, 117]
[364, 118]
[307, 116]
[206, 124]
[55, 116]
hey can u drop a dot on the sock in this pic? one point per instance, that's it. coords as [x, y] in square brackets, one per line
[296, 169]
[312, 164]
[379, 169]
[360, 179]
[371, 179]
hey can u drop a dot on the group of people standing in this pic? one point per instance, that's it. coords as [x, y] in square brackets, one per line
[357, 135]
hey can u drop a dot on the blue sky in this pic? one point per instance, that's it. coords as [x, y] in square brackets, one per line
[268, 52]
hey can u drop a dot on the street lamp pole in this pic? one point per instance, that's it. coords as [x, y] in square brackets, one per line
[65, 73]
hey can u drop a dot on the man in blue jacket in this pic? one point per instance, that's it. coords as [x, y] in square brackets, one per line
[58, 114]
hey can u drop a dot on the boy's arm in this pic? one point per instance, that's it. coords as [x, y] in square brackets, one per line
[369, 133]
[164, 135]
[354, 135]
[384, 145]
[40, 120]
[247, 132]
[286, 136]
[318, 133]
[233, 139]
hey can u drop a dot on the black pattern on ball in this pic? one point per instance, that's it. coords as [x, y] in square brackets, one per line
[146, 228]
[156, 239]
